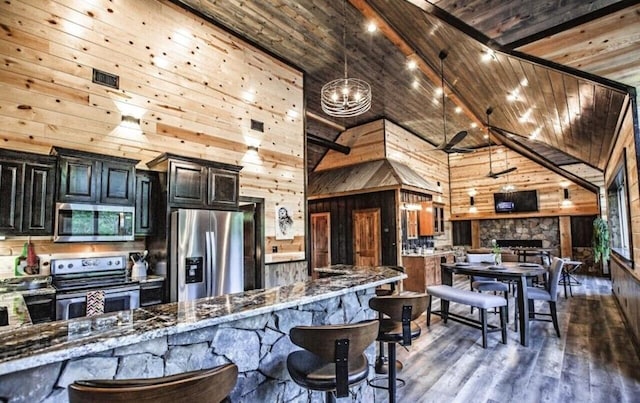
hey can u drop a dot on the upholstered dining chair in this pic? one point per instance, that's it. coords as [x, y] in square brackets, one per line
[487, 284]
[549, 293]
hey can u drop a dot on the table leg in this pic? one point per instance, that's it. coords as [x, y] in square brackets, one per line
[523, 308]
[565, 278]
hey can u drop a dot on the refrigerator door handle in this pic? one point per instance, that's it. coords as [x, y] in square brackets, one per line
[208, 263]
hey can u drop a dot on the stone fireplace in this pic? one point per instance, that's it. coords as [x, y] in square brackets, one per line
[538, 232]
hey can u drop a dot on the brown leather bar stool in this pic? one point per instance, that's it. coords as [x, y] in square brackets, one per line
[381, 364]
[333, 358]
[205, 386]
[397, 328]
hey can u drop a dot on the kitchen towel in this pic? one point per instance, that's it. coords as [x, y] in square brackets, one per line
[95, 303]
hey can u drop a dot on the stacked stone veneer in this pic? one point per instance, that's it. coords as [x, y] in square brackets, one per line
[546, 229]
[258, 345]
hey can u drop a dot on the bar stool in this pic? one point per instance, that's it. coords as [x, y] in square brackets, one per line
[333, 358]
[397, 328]
[381, 364]
[206, 386]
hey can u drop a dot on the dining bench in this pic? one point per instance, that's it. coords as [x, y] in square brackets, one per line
[447, 294]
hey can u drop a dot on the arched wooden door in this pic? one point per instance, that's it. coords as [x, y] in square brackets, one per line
[366, 237]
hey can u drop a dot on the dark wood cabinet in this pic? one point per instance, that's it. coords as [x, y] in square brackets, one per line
[27, 183]
[223, 187]
[187, 184]
[195, 183]
[95, 178]
[147, 188]
[151, 293]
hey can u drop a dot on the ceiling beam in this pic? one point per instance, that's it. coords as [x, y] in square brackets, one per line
[325, 121]
[503, 137]
[408, 51]
[321, 141]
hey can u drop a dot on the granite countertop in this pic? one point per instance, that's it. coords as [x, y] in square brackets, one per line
[427, 254]
[36, 345]
[17, 312]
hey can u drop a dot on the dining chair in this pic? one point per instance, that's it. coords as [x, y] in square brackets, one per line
[549, 294]
[487, 284]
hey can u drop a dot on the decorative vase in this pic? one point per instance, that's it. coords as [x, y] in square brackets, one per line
[497, 257]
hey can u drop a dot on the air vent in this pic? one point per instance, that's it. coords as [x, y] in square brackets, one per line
[257, 125]
[104, 78]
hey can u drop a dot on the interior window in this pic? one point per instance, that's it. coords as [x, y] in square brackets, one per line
[618, 212]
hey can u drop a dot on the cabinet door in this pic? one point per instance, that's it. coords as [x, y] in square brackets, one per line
[412, 224]
[152, 293]
[187, 184]
[39, 188]
[223, 188]
[11, 190]
[146, 186]
[79, 180]
[117, 183]
[426, 220]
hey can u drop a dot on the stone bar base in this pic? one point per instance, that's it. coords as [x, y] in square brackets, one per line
[258, 345]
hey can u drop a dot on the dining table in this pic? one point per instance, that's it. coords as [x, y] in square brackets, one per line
[518, 272]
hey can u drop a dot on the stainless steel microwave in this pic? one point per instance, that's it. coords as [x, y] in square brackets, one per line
[75, 222]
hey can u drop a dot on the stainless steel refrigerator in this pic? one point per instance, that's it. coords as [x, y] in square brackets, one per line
[206, 254]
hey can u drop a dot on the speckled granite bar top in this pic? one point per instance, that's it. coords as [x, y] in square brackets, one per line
[17, 312]
[36, 345]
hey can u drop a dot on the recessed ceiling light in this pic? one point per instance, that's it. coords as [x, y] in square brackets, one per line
[439, 91]
[458, 109]
[474, 125]
[372, 27]
[524, 82]
[415, 84]
[488, 55]
[411, 64]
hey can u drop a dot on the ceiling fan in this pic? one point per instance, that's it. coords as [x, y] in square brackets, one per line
[498, 174]
[450, 146]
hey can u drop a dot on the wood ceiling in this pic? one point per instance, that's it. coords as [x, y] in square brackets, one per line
[558, 61]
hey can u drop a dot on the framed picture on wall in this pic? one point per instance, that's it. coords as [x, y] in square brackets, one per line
[284, 222]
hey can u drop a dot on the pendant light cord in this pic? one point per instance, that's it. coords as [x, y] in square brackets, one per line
[344, 36]
[444, 116]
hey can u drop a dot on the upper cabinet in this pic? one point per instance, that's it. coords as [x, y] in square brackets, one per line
[147, 190]
[195, 183]
[431, 220]
[27, 183]
[94, 178]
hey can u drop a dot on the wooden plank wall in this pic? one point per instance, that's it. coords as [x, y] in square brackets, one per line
[469, 177]
[626, 144]
[366, 142]
[407, 148]
[194, 87]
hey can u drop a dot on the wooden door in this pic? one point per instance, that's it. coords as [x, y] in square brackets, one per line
[366, 237]
[320, 240]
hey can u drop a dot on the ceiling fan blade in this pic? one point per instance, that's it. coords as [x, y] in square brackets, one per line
[495, 175]
[454, 140]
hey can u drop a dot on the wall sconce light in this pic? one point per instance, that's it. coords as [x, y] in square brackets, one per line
[130, 121]
[252, 148]
[472, 201]
[566, 193]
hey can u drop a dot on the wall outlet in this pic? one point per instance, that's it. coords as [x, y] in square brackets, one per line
[274, 249]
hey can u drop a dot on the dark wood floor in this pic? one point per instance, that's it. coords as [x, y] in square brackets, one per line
[593, 361]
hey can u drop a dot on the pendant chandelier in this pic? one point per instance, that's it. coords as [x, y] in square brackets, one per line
[345, 97]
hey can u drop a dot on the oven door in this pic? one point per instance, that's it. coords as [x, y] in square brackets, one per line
[74, 304]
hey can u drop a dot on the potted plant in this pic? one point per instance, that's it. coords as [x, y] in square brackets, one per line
[600, 241]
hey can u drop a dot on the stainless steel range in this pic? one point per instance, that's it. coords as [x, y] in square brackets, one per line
[75, 278]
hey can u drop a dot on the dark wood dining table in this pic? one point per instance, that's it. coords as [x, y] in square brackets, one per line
[511, 271]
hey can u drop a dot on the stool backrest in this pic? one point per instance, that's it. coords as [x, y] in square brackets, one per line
[205, 386]
[392, 305]
[321, 340]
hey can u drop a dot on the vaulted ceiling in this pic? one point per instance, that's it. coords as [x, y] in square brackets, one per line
[557, 73]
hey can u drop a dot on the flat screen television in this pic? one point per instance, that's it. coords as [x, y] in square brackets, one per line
[516, 202]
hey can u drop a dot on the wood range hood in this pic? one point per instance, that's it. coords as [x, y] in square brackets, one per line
[367, 177]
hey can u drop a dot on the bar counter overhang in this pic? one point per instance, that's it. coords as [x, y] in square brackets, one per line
[248, 319]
